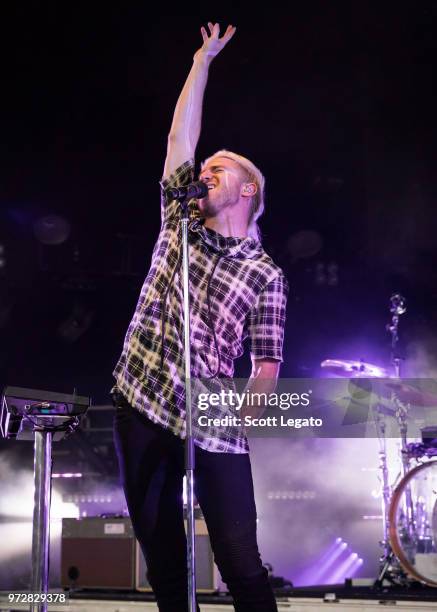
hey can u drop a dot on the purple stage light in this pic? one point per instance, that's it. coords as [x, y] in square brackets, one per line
[310, 575]
[338, 543]
[319, 553]
[324, 565]
[67, 475]
[346, 569]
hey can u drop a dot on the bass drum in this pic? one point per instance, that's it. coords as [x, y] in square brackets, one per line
[413, 522]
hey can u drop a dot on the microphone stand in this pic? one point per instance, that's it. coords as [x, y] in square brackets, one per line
[189, 441]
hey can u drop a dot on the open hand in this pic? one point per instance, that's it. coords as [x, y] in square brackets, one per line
[212, 44]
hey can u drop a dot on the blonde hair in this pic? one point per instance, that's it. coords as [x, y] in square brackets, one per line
[253, 175]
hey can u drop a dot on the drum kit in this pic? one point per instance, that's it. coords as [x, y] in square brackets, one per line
[409, 501]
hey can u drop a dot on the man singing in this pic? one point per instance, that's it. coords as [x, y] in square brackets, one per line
[236, 291]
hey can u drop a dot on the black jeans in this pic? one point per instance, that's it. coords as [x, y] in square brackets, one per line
[151, 463]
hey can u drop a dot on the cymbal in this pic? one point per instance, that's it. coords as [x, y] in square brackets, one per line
[408, 394]
[353, 369]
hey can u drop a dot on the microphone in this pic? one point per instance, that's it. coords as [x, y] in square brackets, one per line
[194, 190]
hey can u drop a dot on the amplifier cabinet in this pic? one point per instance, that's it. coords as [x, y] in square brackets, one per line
[208, 578]
[103, 553]
[98, 553]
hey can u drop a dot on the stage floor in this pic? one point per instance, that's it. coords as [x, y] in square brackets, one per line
[314, 600]
[290, 605]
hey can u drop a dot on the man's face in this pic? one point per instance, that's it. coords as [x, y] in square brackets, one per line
[224, 179]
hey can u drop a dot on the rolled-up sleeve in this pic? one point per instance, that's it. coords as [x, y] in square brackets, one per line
[266, 322]
[180, 177]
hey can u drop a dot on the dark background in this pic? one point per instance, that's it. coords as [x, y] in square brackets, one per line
[335, 101]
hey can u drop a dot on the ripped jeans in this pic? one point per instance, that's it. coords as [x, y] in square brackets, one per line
[151, 463]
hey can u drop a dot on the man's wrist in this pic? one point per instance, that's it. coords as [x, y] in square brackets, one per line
[202, 58]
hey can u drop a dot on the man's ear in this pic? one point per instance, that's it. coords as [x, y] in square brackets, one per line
[249, 189]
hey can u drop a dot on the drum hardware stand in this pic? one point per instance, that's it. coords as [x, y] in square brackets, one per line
[398, 307]
[389, 567]
[385, 484]
[401, 414]
[45, 417]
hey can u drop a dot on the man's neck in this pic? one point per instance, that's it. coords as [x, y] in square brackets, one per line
[230, 228]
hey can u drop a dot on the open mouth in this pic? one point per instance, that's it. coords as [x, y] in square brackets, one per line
[211, 187]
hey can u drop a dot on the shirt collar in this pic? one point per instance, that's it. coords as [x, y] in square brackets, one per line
[242, 248]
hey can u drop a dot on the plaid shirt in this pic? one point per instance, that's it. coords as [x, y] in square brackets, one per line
[234, 287]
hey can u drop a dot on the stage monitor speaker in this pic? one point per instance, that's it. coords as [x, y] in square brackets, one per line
[98, 553]
[208, 579]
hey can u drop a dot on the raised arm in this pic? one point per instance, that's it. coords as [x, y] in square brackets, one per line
[185, 128]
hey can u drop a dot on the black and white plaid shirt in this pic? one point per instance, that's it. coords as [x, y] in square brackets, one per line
[235, 288]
